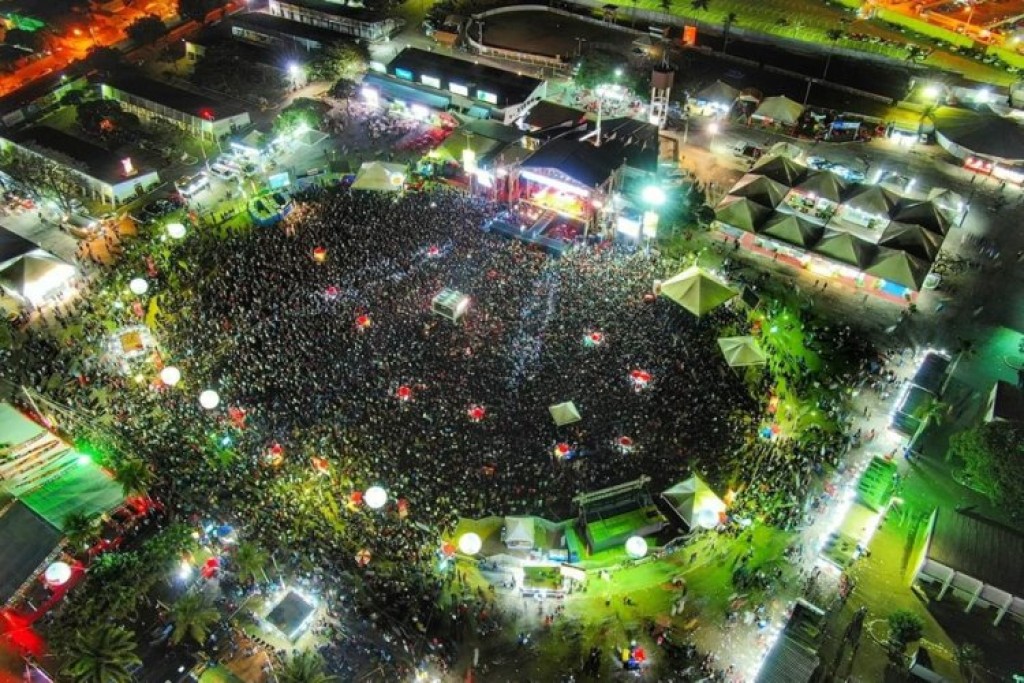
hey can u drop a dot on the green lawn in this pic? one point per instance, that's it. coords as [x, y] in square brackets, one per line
[218, 674]
[810, 21]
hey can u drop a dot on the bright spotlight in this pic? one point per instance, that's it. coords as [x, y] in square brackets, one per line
[636, 547]
[375, 497]
[653, 195]
[470, 544]
[209, 399]
[138, 286]
[170, 375]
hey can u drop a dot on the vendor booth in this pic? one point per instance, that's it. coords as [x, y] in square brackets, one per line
[519, 533]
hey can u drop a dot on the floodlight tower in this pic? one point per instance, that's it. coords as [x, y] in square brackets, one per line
[662, 79]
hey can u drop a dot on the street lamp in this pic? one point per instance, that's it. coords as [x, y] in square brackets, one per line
[653, 195]
[713, 128]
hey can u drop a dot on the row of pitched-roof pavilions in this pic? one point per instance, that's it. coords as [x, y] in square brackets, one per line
[862, 225]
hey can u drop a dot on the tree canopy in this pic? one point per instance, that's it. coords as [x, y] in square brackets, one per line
[146, 30]
[101, 654]
[993, 458]
[341, 59]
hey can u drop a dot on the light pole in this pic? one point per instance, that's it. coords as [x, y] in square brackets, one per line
[713, 128]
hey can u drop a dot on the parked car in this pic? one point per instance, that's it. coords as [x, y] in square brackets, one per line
[223, 172]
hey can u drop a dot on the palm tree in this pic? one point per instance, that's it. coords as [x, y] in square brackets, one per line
[193, 615]
[305, 667]
[730, 19]
[250, 561]
[134, 476]
[80, 529]
[102, 655]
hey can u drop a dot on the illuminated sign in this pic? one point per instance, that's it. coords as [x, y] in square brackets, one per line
[459, 89]
[488, 97]
[431, 81]
[403, 73]
[690, 35]
[129, 168]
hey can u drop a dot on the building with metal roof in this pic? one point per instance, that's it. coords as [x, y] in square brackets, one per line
[196, 113]
[101, 174]
[351, 18]
[975, 558]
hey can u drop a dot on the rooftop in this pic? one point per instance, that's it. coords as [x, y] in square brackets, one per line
[263, 22]
[96, 161]
[172, 97]
[982, 548]
[338, 9]
[510, 87]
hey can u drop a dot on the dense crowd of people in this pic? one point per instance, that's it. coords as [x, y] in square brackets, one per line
[320, 339]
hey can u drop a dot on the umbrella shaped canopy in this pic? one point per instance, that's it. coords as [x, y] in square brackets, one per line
[741, 351]
[690, 498]
[564, 413]
[741, 212]
[761, 189]
[697, 290]
[899, 267]
[794, 229]
[380, 177]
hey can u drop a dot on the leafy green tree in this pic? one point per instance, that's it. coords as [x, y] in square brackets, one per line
[106, 119]
[146, 30]
[250, 562]
[52, 173]
[904, 627]
[305, 667]
[340, 59]
[993, 459]
[194, 616]
[101, 654]
[302, 111]
[699, 4]
[198, 9]
[134, 476]
[104, 59]
[80, 529]
[228, 69]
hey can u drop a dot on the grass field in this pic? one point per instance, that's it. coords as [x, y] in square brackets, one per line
[810, 22]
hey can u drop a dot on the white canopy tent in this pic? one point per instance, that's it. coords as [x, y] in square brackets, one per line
[694, 502]
[34, 277]
[564, 413]
[779, 109]
[519, 533]
[380, 176]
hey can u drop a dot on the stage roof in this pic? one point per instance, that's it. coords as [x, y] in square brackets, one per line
[581, 161]
[27, 540]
